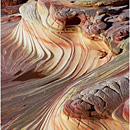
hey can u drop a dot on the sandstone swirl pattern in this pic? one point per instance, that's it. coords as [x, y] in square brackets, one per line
[50, 47]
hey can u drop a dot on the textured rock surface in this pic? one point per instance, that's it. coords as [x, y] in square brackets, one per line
[5, 3]
[99, 101]
[56, 58]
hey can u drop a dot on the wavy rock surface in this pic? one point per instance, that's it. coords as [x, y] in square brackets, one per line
[52, 46]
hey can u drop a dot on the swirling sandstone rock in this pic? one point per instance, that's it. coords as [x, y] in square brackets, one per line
[64, 50]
